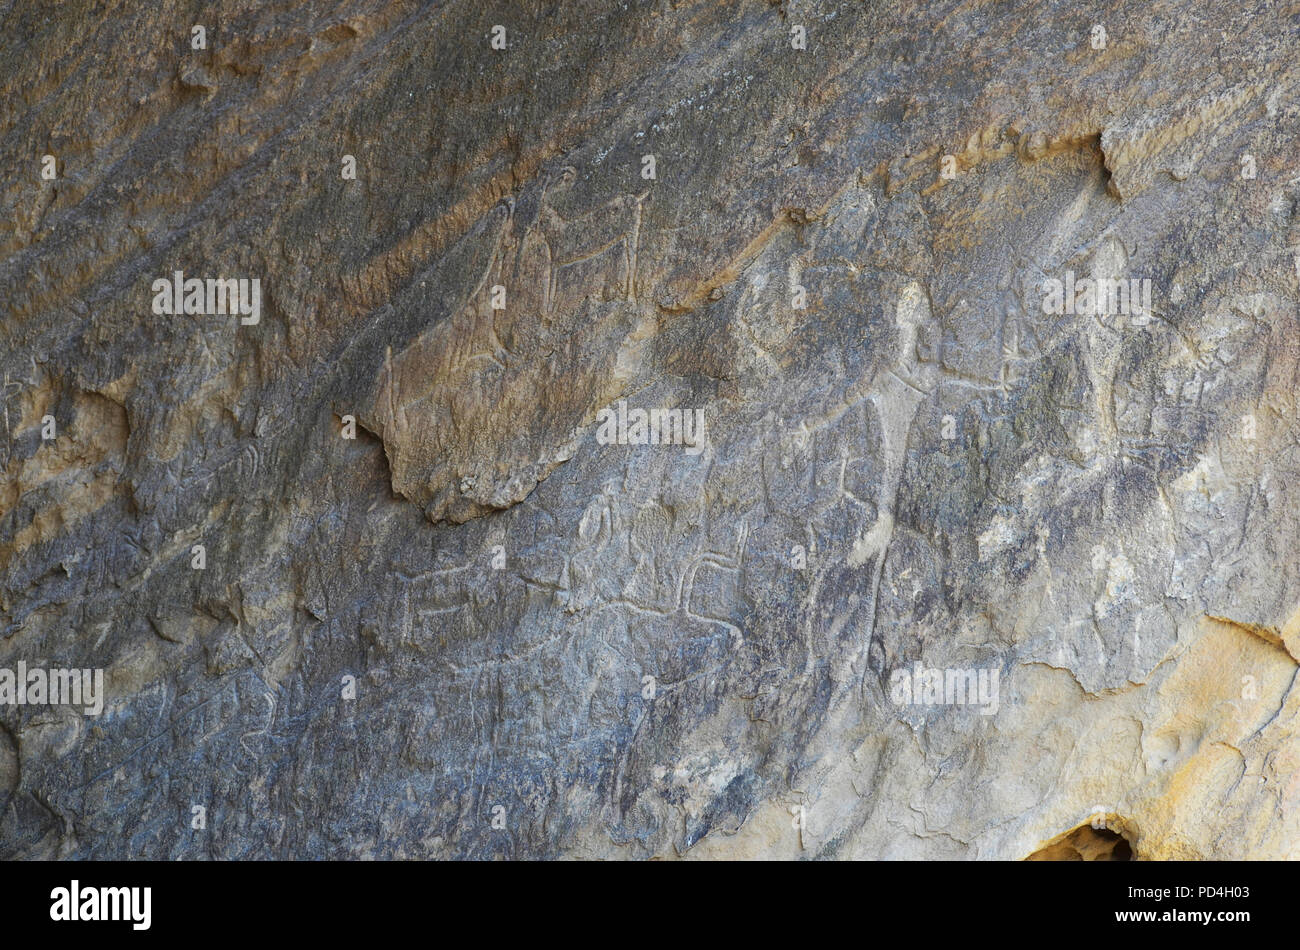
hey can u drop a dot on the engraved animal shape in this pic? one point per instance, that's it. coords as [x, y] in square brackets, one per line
[718, 561]
[471, 333]
[603, 525]
[571, 241]
[427, 598]
[467, 339]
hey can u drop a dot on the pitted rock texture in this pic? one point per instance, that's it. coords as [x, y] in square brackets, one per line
[477, 629]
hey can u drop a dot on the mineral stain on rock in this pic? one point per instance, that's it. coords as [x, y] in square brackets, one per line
[364, 581]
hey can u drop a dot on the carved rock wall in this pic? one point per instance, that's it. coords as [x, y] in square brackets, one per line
[439, 614]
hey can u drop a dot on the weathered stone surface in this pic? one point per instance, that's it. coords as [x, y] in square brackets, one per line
[841, 260]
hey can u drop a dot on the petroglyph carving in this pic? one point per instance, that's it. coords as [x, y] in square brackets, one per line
[1103, 340]
[471, 333]
[605, 532]
[897, 391]
[262, 730]
[433, 399]
[596, 530]
[428, 598]
[572, 241]
[717, 561]
[249, 462]
[8, 392]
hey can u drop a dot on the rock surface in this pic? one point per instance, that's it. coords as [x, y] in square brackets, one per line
[476, 630]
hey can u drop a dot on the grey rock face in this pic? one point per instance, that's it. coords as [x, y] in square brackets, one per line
[967, 337]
